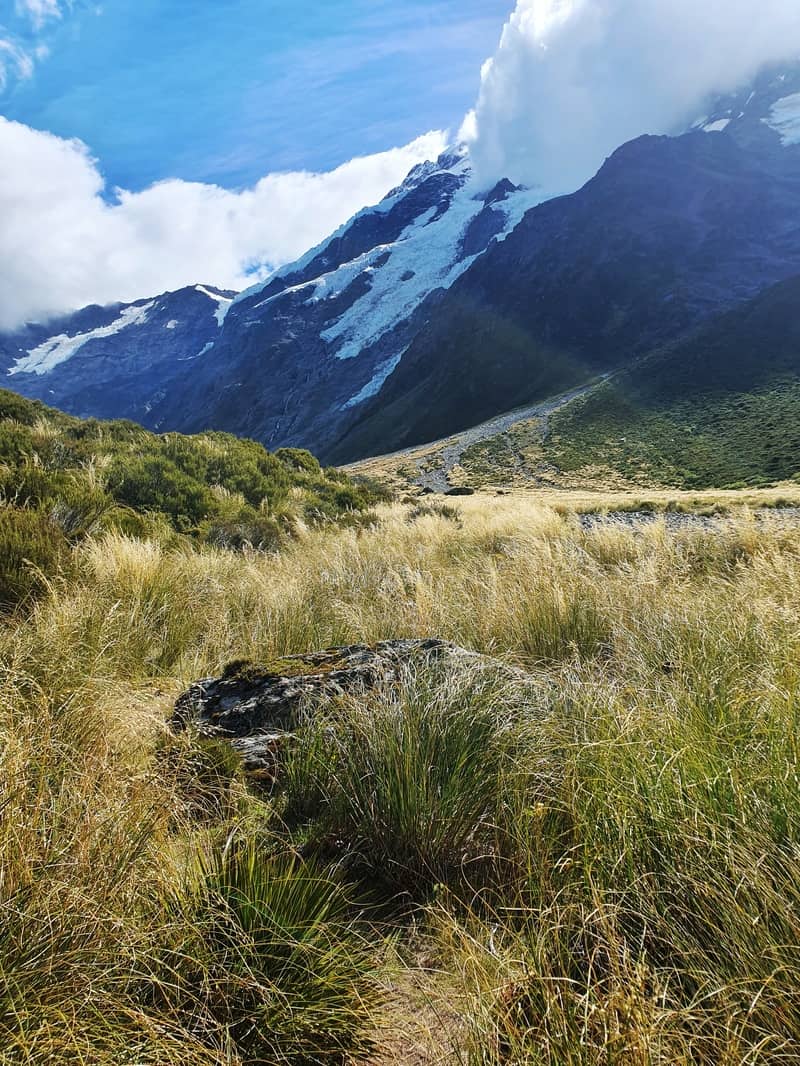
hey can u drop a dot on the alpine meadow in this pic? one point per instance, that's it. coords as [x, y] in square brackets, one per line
[400, 609]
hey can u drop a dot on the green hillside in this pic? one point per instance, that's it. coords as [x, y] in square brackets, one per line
[62, 478]
[721, 408]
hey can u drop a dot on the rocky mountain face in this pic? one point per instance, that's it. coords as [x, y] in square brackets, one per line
[670, 232]
[290, 361]
[301, 355]
[445, 304]
[119, 361]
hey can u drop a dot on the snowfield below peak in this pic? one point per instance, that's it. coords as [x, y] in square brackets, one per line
[428, 256]
[784, 118]
[59, 349]
[223, 301]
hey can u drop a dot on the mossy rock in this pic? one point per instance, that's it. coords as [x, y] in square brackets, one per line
[266, 700]
[258, 707]
[311, 665]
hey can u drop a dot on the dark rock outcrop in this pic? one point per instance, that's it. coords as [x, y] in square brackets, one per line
[257, 708]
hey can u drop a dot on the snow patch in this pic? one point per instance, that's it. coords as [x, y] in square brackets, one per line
[458, 163]
[191, 358]
[784, 118]
[427, 257]
[373, 387]
[326, 286]
[223, 301]
[59, 349]
[718, 126]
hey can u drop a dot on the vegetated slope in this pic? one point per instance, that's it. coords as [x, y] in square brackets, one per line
[599, 867]
[62, 478]
[670, 231]
[721, 407]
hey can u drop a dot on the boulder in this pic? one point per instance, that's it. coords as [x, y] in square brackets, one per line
[258, 707]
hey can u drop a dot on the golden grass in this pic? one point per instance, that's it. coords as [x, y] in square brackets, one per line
[639, 902]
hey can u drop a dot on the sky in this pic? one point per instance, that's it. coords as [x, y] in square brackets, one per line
[151, 144]
[226, 92]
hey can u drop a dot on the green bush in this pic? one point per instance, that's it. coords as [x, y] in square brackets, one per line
[298, 459]
[90, 475]
[249, 529]
[154, 483]
[32, 548]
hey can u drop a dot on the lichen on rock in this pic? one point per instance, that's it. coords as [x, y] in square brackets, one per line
[258, 706]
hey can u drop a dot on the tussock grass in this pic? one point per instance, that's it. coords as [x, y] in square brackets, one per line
[413, 793]
[602, 862]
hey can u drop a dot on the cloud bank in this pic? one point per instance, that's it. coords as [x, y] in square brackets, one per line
[574, 79]
[66, 241]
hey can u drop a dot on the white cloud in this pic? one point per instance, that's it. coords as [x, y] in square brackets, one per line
[39, 11]
[574, 79]
[18, 57]
[14, 62]
[63, 245]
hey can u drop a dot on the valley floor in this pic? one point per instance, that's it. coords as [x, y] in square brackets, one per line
[445, 463]
[600, 865]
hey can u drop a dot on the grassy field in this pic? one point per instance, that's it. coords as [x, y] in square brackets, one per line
[693, 440]
[597, 865]
[63, 479]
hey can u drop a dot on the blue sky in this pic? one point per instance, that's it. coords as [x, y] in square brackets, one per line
[225, 92]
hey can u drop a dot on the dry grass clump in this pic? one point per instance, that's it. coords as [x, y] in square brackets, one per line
[602, 863]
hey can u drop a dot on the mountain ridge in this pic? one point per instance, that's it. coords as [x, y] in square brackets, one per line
[444, 305]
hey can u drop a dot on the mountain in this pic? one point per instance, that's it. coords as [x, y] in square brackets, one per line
[757, 112]
[671, 231]
[719, 407]
[291, 360]
[445, 305]
[118, 361]
[303, 353]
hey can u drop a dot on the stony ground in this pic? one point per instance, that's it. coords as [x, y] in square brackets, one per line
[437, 466]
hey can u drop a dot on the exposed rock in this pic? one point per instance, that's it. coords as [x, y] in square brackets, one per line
[118, 361]
[258, 707]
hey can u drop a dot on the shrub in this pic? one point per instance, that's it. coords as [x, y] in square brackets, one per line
[93, 474]
[409, 785]
[298, 459]
[435, 510]
[248, 530]
[32, 548]
[154, 483]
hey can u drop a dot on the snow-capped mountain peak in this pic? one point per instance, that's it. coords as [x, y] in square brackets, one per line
[342, 317]
[761, 112]
[115, 360]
